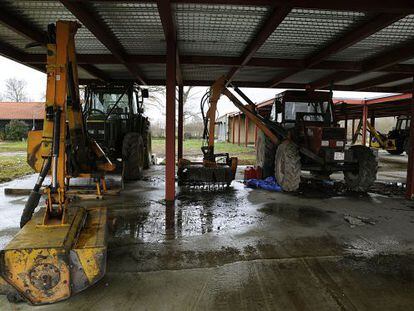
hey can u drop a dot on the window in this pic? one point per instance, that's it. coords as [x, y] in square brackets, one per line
[321, 111]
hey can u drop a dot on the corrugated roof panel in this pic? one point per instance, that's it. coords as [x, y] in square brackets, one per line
[362, 77]
[17, 41]
[136, 25]
[203, 72]
[153, 71]
[257, 74]
[42, 13]
[396, 83]
[379, 42]
[308, 76]
[303, 32]
[220, 30]
[83, 74]
[115, 71]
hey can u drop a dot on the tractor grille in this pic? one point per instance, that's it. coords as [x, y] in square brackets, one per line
[333, 133]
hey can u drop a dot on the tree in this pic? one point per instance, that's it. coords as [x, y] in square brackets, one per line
[16, 90]
[157, 100]
[15, 130]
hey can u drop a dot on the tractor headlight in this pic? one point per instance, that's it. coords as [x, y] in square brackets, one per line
[339, 143]
[101, 132]
[325, 143]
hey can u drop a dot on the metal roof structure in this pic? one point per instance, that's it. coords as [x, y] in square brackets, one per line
[363, 45]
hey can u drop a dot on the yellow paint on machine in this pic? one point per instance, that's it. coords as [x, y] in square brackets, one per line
[37, 262]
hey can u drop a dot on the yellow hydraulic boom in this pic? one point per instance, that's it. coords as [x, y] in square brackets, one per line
[61, 249]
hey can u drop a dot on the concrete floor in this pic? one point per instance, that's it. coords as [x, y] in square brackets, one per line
[247, 249]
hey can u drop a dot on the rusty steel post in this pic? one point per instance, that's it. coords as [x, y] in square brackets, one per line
[180, 131]
[353, 127]
[255, 135]
[346, 127]
[364, 124]
[372, 121]
[410, 168]
[246, 130]
[239, 125]
[170, 122]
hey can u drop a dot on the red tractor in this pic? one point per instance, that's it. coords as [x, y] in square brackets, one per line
[310, 139]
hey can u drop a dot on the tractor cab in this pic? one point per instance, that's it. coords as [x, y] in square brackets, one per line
[113, 110]
[309, 118]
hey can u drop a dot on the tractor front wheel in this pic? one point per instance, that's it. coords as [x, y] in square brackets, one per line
[364, 175]
[265, 154]
[287, 166]
[133, 156]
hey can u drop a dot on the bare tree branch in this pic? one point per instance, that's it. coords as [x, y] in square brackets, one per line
[16, 90]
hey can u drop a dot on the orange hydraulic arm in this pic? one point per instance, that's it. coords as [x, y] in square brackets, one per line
[218, 88]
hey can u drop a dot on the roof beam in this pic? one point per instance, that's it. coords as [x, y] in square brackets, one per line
[396, 6]
[102, 32]
[353, 36]
[99, 59]
[380, 80]
[30, 32]
[96, 72]
[16, 55]
[376, 63]
[273, 21]
[170, 31]
[23, 28]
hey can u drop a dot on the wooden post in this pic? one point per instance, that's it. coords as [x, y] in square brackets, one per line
[239, 125]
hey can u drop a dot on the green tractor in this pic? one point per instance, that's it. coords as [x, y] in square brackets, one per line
[114, 117]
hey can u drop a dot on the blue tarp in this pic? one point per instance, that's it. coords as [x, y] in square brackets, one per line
[267, 184]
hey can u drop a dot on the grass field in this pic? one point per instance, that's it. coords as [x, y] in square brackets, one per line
[12, 146]
[192, 147]
[13, 160]
[12, 167]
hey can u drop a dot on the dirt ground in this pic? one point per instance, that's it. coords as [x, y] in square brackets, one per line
[243, 249]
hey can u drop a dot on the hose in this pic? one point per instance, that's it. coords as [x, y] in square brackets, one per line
[35, 194]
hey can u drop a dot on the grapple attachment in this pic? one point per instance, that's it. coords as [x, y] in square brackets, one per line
[207, 175]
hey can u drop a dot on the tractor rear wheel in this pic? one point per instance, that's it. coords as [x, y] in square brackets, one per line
[365, 174]
[132, 156]
[265, 154]
[287, 166]
[407, 145]
[147, 151]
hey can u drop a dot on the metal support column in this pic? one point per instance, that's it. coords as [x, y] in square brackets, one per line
[410, 168]
[353, 128]
[233, 128]
[239, 126]
[255, 135]
[372, 121]
[364, 124]
[346, 127]
[180, 131]
[246, 131]
[170, 122]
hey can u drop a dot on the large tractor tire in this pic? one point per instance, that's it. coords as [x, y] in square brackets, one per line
[364, 176]
[288, 166]
[265, 154]
[407, 145]
[399, 147]
[133, 156]
[147, 151]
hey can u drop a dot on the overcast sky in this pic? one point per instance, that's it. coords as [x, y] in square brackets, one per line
[36, 88]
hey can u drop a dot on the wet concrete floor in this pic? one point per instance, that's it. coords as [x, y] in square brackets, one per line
[245, 249]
